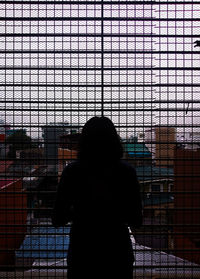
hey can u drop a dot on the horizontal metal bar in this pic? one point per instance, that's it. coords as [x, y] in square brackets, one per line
[144, 228]
[152, 125]
[167, 177]
[88, 102]
[99, 85]
[177, 266]
[94, 19]
[50, 209]
[31, 226]
[158, 159]
[34, 226]
[142, 232]
[86, 52]
[52, 142]
[76, 2]
[61, 2]
[135, 250]
[166, 233]
[106, 2]
[98, 109]
[96, 35]
[171, 142]
[99, 68]
[7, 174]
[34, 191]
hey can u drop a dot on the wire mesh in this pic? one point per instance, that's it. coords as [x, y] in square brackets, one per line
[136, 62]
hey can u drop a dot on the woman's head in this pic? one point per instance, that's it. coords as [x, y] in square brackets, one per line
[99, 140]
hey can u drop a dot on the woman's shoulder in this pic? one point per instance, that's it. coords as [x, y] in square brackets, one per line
[124, 165]
[121, 165]
[71, 166]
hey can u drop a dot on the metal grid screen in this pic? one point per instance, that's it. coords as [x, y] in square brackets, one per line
[136, 62]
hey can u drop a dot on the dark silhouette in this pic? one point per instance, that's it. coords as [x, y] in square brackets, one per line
[99, 194]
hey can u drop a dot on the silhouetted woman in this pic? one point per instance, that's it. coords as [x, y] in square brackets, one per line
[99, 194]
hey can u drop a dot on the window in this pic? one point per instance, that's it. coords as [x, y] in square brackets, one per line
[156, 188]
[170, 187]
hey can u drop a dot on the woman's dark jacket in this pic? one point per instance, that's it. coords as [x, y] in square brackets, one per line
[101, 201]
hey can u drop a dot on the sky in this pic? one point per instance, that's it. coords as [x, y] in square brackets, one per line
[148, 74]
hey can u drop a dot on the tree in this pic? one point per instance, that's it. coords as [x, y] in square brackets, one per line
[18, 141]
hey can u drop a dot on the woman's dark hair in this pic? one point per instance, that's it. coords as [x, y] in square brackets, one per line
[99, 141]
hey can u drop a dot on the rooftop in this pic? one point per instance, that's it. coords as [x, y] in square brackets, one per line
[4, 182]
[4, 165]
[157, 199]
[149, 173]
[136, 149]
[50, 260]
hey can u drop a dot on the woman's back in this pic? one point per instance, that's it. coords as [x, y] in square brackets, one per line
[103, 193]
[101, 201]
[99, 194]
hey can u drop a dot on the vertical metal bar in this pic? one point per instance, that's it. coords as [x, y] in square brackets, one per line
[102, 58]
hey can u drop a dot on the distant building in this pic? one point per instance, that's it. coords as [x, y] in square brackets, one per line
[136, 152]
[6, 131]
[4, 167]
[31, 156]
[161, 141]
[13, 217]
[155, 179]
[156, 184]
[188, 140]
[141, 136]
[52, 134]
[2, 126]
[69, 141]
[9, 131]
[64, 157]
[187, 204]
[3, 147]
[68, 150]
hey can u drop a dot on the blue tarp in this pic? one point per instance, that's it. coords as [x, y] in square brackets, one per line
[38, 245]
[139, 154]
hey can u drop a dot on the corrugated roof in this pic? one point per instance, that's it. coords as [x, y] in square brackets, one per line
[4, 182]
[137, 149]
[145, 173]
[45, 243]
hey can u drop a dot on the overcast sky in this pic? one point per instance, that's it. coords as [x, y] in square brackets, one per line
[52, 102]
